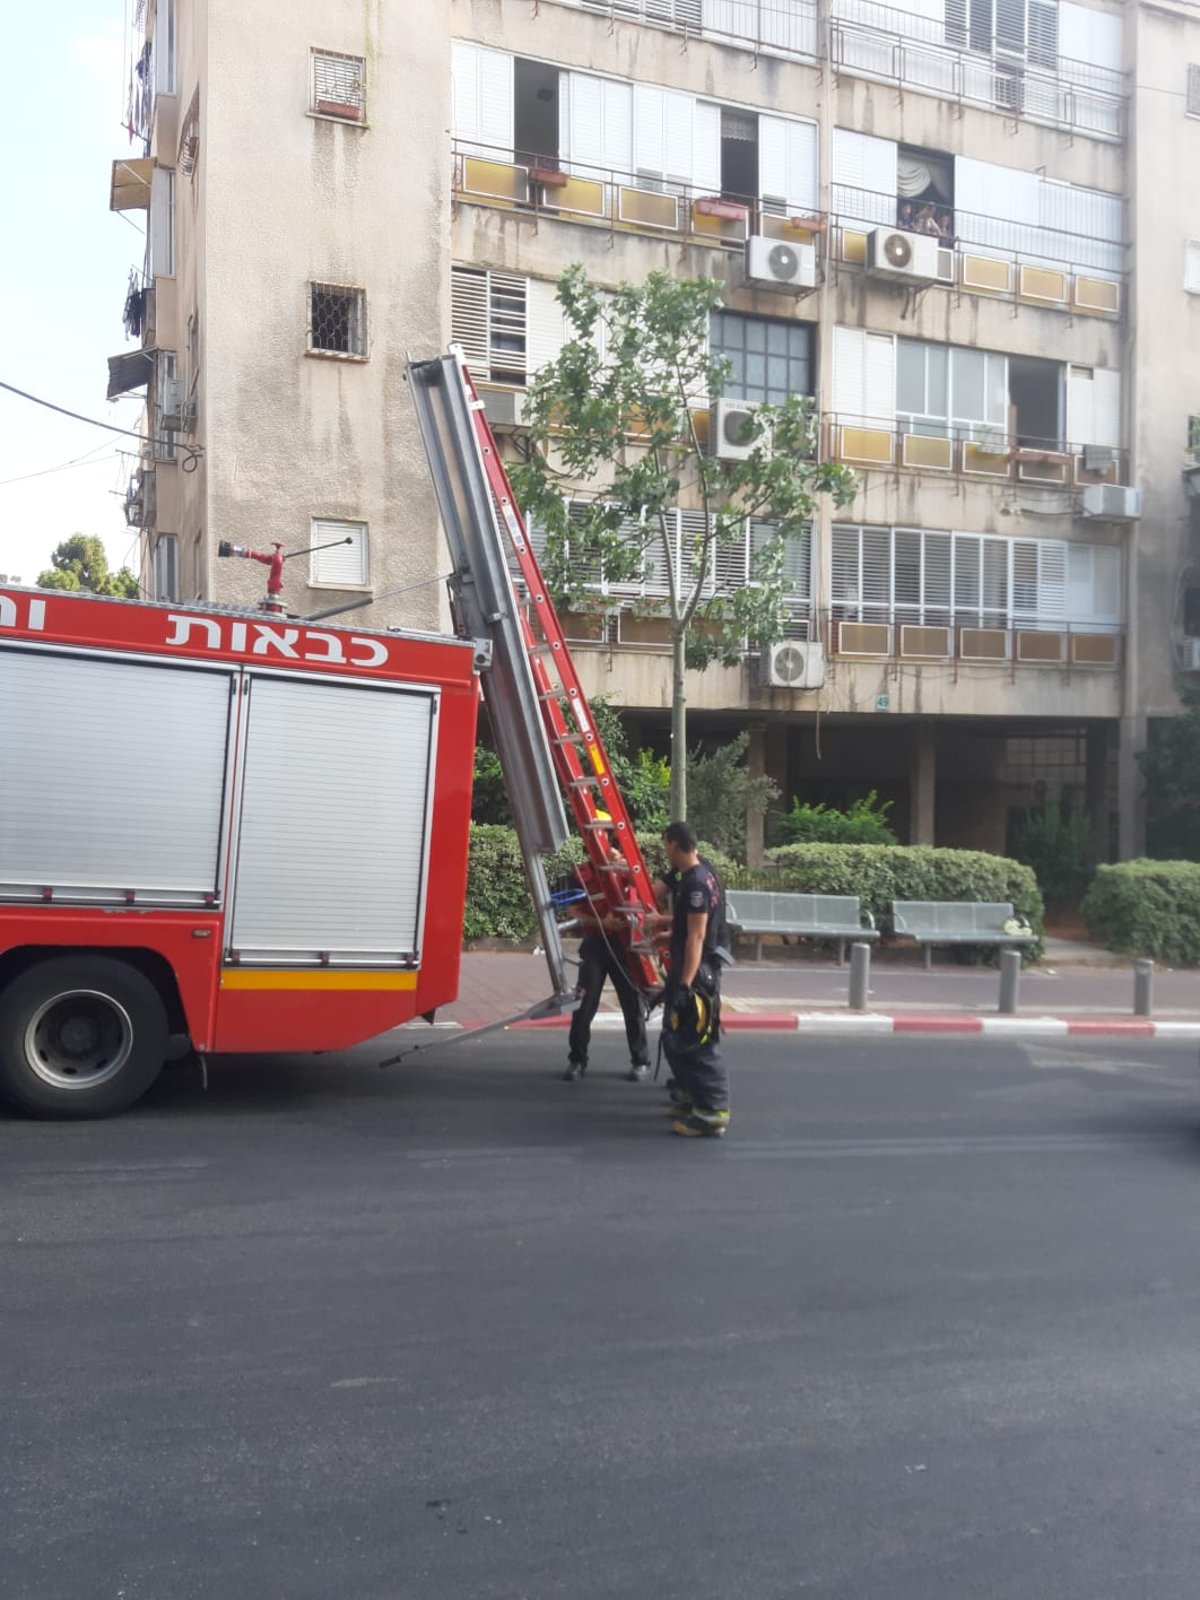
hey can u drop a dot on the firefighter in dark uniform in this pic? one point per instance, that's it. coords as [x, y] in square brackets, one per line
[692, 998]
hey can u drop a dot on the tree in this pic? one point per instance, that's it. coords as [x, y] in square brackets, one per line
[724, 793]
[80, 563]
[1171, 767]
[616, 413]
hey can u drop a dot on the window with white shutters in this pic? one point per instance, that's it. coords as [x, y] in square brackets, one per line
[1094, 407]
[864, 177]
[345, 562]
[864, 377]
[787, 165]
[488, 318]
[482, 95]
[338, 85]
[934, 578]
[596, 123]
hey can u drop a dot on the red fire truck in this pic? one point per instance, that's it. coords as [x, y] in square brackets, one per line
[240, 831]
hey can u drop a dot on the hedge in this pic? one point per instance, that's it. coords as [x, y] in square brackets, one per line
[498, 904]
[881, 873]
[1147, 908]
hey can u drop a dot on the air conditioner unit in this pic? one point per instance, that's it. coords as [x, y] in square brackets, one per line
[1190, 656]
[504, 408]
[734, 432]
[910, 257]
[176, 409]
[135, 502]
[775, 264]
[1112, 502]
[792, 664]
[990, 441]
[1098, 457]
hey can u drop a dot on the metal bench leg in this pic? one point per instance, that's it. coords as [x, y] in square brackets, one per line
[841, 952]
[758, 949]
[929, 955]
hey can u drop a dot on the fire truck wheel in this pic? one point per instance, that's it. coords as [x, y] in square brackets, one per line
[80, 1036]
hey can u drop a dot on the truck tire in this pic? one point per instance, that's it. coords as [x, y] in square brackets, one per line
[80, 1036]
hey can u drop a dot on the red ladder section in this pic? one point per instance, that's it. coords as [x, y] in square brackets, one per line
[615, 876]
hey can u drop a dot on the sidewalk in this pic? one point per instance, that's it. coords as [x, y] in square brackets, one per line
[1060, 996]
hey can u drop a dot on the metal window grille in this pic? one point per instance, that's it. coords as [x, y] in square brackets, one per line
[342, 566]
[338, 85]
[337, 320]
[768, 360]
[1193, 89]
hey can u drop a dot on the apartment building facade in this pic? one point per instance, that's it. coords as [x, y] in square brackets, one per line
[962, 226]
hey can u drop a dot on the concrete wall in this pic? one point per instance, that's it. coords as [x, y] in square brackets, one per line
[285, 198]
[1164, 336]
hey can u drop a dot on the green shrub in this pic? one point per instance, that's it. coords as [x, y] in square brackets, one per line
[879, 874]
[722, 792]
[864, 823]
[1057, 844]
[1148, 908]
[498, 904]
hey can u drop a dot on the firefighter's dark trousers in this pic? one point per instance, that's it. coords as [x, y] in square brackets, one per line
[698, 1068]
[597, 961]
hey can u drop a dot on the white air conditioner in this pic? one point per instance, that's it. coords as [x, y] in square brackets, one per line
[734, 432]
[504, 408]
[1190, 654]
[775, 264]
[792, 664]
[171, 401]
[1112, 502]
[909, 257]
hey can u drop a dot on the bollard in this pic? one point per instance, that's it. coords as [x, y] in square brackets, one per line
[1010, 981]
[1143, 988]
[860, 976]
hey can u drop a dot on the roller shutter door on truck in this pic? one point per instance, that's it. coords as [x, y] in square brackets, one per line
[112, 777]
[332, 835]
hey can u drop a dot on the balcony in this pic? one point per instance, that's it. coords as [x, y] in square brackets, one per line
[601, 197]
[1023, 263]
[868, 40]
[971, 451]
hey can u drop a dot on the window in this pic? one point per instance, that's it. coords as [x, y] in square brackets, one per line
[164, 47]
[165, 567]
[337, 321]
[168, 398]
[942, 579]
[941, 386]
[488, 319]
[768, 361]
[1193, 90]
[160, 239]
[193, 349]
[344, 562]
[1191, 266]
[338, 85]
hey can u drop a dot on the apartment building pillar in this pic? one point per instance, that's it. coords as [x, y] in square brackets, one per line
[1131, 803]
[1096, 790]
[922, 786]
[756, 761]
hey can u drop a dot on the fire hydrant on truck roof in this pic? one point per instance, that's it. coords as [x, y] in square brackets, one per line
[255, 836]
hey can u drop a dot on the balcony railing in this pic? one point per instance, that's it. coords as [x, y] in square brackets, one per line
[970, 636]
[777, 27]
[978, 450]
[622, 202]
[1046, 266]
[869, 40]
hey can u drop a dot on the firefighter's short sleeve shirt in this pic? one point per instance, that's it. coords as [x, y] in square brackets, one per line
[696, 890]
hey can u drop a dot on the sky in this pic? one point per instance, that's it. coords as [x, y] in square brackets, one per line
[64, 272]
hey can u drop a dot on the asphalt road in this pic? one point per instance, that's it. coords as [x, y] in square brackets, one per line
[926, 1326]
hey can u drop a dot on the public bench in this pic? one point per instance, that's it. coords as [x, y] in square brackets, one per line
[955, 922]
[836, 917]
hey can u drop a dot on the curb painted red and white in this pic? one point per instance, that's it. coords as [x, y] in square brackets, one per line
[842, 1024]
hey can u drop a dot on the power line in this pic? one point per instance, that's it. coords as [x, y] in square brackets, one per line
[91, 459]
[194, 451]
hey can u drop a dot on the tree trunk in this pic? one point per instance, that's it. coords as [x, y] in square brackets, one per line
[678, 795]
